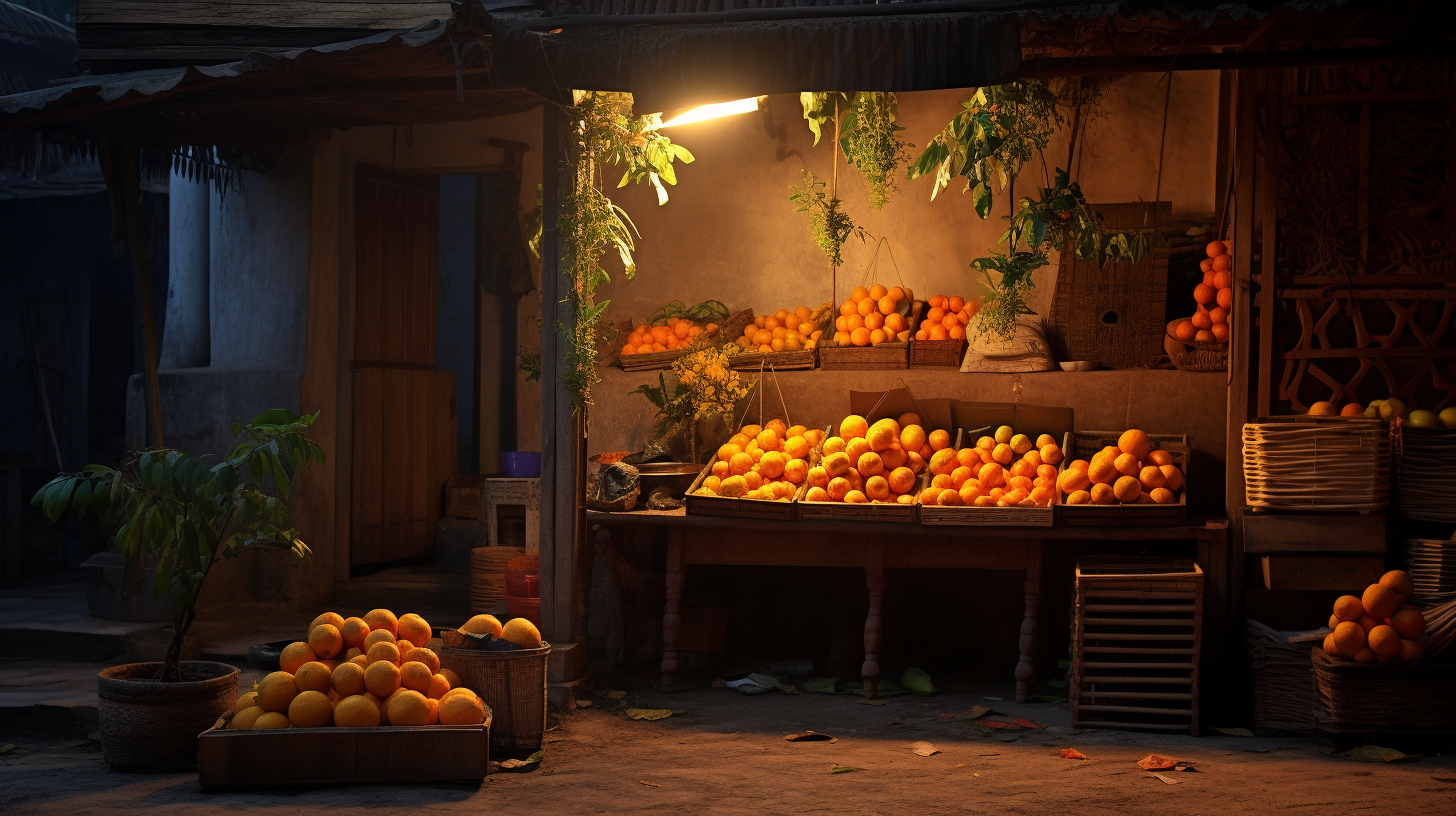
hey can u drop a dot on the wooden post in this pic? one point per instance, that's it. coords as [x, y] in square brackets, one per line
[672, 609]
[1026, 666]
[119, 168]
[874, 621]
[1268, 274]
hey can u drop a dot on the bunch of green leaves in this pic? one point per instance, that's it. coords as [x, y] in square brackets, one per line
[867, 137]
[830, 224]
[821, 107]
[1003, 298]
[996, 133]
[603, 132]
[535, 223]
[709, 311]
[1062, 216]
[674, 405]
[192, 515]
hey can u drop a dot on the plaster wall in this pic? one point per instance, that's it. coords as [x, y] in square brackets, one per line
[730, 233]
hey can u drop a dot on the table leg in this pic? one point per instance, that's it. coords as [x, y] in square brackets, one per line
[874, 625]
[1025, 669]
[671, 611]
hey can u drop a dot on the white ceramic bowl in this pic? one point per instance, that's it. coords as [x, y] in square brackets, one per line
[1079, 365]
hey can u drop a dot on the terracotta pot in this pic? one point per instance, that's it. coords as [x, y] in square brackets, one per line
[148, 725]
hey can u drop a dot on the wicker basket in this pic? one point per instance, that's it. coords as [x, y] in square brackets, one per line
[1283, 683]
[1317, 463]
[1195, 356]
[488, 576]
[937, 353]
[513, 684]
[1424, 478]
[1407, 698]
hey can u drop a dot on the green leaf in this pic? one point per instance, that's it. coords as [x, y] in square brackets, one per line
[81, 499]
[981, 198]
[841, 769]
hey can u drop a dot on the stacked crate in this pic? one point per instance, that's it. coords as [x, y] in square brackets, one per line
[1135, 643]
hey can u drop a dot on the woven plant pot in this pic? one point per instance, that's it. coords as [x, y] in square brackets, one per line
[513, 685]
[148, 725]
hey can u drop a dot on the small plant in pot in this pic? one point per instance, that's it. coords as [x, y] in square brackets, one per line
[190, 516]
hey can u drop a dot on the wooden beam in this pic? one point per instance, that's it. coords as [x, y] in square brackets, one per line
[1267, 194]
[1100, 66]
[363, 14]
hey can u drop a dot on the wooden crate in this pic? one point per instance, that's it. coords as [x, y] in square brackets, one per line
[1313, 532]
[1137, 632]
[982, 516]
[1082, 444]
[737, 507]
[937, 353]
[1317, 463]
[726, 332]
[773, 360]
[465, 497]
[296, 757]
[1332, 573]
[884, 357]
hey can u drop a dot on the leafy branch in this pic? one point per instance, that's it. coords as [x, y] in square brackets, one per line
[1062, 216]
[1004, 300]
[830, 224]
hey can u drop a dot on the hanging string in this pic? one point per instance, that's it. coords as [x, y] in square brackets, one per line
[1162, 141]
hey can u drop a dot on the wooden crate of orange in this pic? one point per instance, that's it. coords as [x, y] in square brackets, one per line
[940, 339]
[783, 341]
[758, 473]
[1001, 479]
[872, 331]
[648, 347]
[1107, 478]
[868, 472]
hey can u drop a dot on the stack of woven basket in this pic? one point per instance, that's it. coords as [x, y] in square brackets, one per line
[1312, 463]
[488, 576]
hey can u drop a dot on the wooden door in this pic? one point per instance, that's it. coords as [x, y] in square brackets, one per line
[404, 422]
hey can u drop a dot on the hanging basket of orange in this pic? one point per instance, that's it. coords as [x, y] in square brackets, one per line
[872, 330]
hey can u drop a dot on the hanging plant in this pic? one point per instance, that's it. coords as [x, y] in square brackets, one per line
[1004, 298]
[827, 220]
[996, 133]
[1062, 216]
[603, 132]
[867, 137]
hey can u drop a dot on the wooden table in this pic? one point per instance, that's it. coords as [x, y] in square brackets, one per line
[719, 540]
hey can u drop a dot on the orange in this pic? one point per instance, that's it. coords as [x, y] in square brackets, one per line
[816, 494]
[276, 691]
[876, 487]
[1161, 495]
[930, 495]
[1079, 497]
[938, 440]
[1204, 294]
[771, 466]
[333, 618]
[818, 477]
[838, 488]
[1042, 496]
[1348, 608]
[856, 497]
[420, 654]
[1003, 453]
[1151, 477]
[313, 676]
[1367, 623]
[415, 675]
[1160, 457]
[348, 679]
[382, 619]
[362, 661]
[310, 709]
[245, 718]
[381, 678]
[438, 687]
[1225, 296]
[1127, 489]
[356, 711]
[295, 655]
[462, 709]
[991, 475]
[949, 498]
[1411, 651]
[1379, 601]
[522, 632]
[1101, 471]
[1184, 330]
[915, 461]
[325, 640]
[1222, 263]
[1409, 622]
[943, 480]
[482, 625]
[962, 474]
[837, 464]
[1384, 641]
[866, 307]
[1218, 315]
[1136, 443]
[1349, 638]
[796, 471]
[853, 426]
[1172, 477]
[382, 652]
[1050, 453]
[1399, 582]
[409, 708]
[870, 464]
[943, 461]
[1073, 480]
[1330, 646]
[894, 457]
[1127, 464]
[248, 700]
[271, 720]
[895, 322]
[970, 491]
[1217, 248]
[377, 636]
[354, 631]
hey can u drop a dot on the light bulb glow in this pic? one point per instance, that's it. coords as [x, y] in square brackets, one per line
[716, 110]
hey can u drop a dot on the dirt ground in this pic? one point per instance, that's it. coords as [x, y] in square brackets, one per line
[726, 754]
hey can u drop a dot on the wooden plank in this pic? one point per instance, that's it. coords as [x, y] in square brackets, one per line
[810, 553]
[368, 453]
[361, 14]
[1269, 274]
[1335, 573]
[1313, 532]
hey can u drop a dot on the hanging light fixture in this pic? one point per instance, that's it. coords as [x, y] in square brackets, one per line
[716, 110]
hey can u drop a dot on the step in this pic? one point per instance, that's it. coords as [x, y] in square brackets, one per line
[50, 622]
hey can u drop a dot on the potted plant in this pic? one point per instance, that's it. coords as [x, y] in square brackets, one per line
[189, 515]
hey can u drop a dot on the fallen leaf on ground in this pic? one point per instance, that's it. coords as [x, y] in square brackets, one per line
[872, 702]
[1376, 753]
[839, 769]
[1072, 753]
[976, 775]
[617, 694]
[679, 712]
[530, 763]
[1235, 732]
[1155, 762]
[583, 703]
[999, 726]
[946, 716]
[821, 685]
[810, 736]
[1027, 724]
[7, 748]
[894, 721]
[976, 712]
[924, 749]
[1167, 780]
[649, 713]
[648, 784]
[1447, 779]
[960, 764]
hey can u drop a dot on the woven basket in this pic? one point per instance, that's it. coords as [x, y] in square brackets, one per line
[1415, 698]
[150, 725]
[1283, 684]
[1424, 478]
[513, 684]
[488, 576]
[1317, 463]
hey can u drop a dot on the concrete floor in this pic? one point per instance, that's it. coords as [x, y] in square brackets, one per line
[726, 754]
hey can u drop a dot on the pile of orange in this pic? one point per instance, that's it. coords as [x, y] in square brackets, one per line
[1130, 472]
[762, 462]
[873, 316]
[363, 672]
[1215, 297]
[675, 333]
[1006, 469]
[1377, 625]
[946, 318]
[875, 464]
[784, 330]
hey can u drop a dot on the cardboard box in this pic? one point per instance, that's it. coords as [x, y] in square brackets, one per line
[1333, 573]
[295, 757]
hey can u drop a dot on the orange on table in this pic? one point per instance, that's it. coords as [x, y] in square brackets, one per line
[1130, 472]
